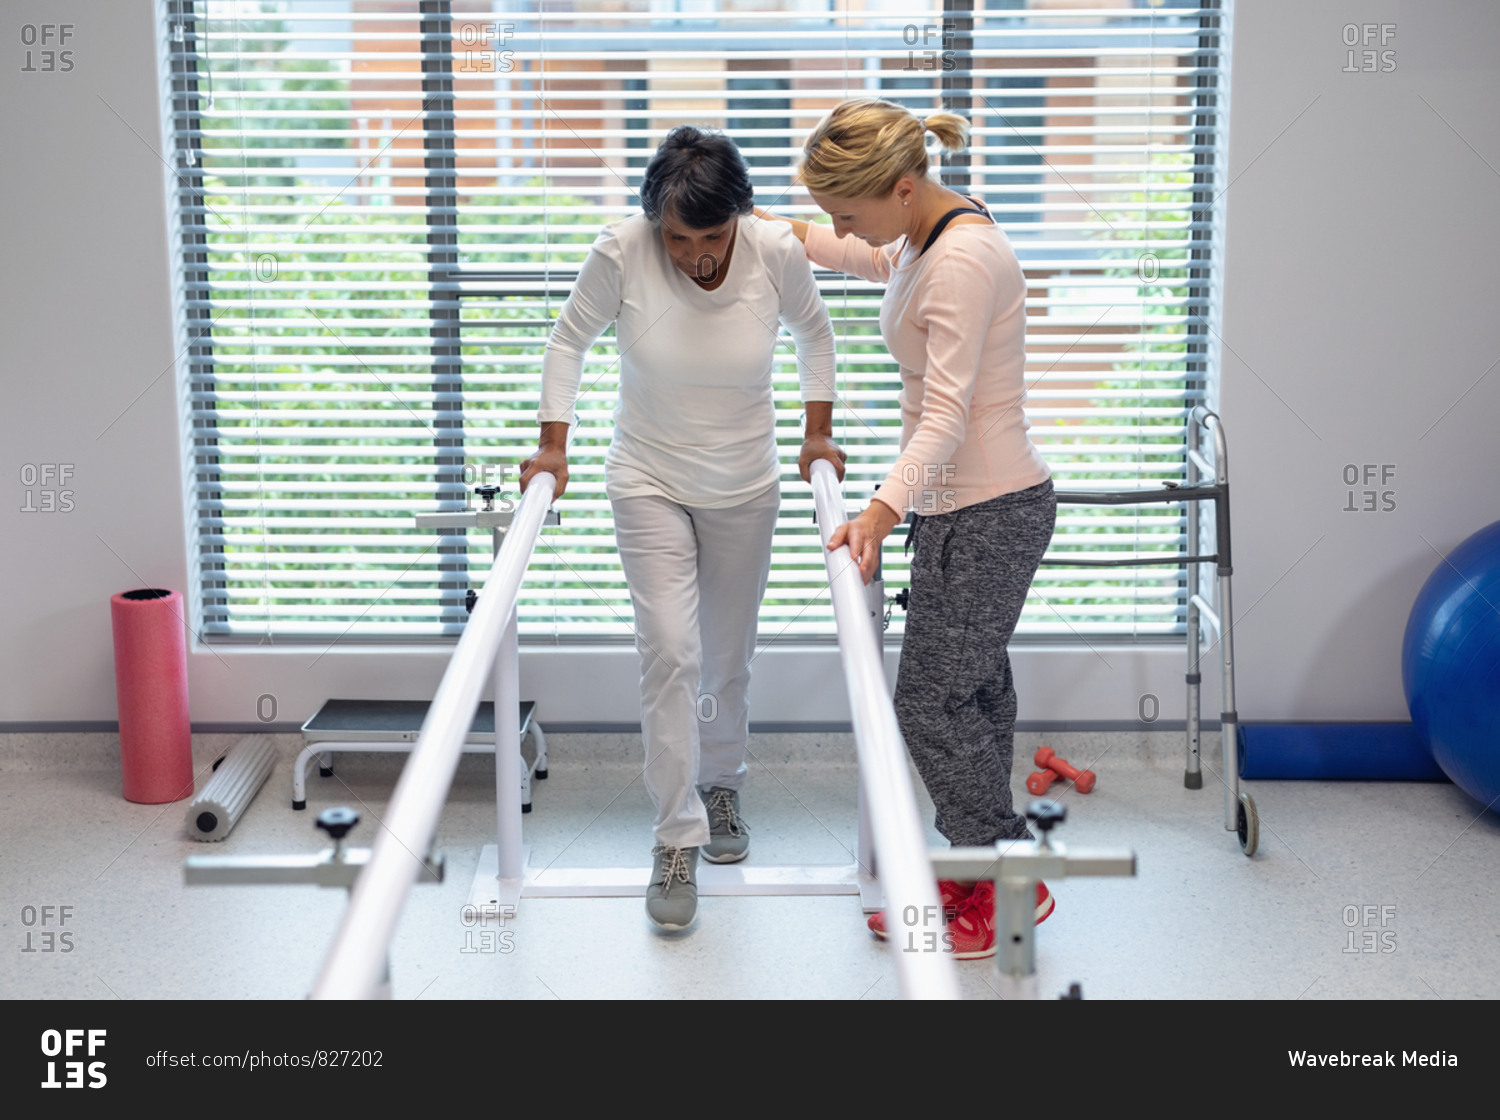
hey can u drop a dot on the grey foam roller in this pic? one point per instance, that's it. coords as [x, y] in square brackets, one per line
[236, 781]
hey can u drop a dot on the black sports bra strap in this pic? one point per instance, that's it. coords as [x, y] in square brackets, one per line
[942, 223]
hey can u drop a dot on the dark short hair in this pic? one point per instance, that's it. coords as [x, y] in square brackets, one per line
[699, 175]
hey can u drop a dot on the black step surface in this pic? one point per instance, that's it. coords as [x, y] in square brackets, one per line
[397, 718]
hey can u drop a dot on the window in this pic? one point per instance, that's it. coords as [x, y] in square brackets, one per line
[380, 207]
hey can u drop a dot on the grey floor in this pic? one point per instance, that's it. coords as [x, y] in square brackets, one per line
[1360, 890]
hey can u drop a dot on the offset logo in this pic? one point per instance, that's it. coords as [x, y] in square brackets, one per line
[46, 489]
[1377, 495]
[66, 1044]
[46, 940]
[1363, 935]
[925, 35]
[49, 37]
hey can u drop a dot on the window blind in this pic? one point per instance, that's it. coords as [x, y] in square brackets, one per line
[381, 207]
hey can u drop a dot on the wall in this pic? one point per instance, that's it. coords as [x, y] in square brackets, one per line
[1359, 329]
[1355, 330]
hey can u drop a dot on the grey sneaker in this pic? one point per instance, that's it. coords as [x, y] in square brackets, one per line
[672, 894]
[729, 836]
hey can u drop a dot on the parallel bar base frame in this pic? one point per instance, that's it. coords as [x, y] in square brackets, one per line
[721, 880]
[489, 894]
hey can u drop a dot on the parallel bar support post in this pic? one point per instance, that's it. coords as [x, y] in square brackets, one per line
[1016, 867]
[508, 756]
[870, 890]
[869, 871]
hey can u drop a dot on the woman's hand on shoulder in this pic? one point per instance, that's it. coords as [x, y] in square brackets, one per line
[799, 228]
[817, 446]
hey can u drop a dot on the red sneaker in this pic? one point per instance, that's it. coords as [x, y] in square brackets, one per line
[1045, 903]
[971, 933]
[972, 930]
[951, 896]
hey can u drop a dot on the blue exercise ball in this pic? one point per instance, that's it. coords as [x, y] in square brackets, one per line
[1450, 665]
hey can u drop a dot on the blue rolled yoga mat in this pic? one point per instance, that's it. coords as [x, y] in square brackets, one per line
[1366, 752]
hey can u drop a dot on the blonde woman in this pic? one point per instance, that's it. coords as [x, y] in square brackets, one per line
[954, 317]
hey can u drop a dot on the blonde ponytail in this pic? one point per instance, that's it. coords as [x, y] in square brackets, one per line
[865, 145]
[951, 130]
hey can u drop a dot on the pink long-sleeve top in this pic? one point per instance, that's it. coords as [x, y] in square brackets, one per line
[955, 320]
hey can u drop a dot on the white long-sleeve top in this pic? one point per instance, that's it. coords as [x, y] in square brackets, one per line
[695, 422]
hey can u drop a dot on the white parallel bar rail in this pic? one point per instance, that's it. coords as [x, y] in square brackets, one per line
[900, 842]
[355, 964]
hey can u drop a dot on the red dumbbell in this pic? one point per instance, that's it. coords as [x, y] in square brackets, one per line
[1039, 782]
[1083, 780]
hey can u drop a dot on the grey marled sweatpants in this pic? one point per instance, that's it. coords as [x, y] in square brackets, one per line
[954, 697]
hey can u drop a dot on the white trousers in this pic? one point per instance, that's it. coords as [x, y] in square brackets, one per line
[696, 579]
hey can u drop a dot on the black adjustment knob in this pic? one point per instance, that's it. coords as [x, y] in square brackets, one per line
[488, 494]
[337, 822]
[471, 600]
[902, 597]
[1046, 815]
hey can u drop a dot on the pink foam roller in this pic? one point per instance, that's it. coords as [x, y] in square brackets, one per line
[156, 746]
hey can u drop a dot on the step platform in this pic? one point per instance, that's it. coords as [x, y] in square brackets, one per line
[395, 725]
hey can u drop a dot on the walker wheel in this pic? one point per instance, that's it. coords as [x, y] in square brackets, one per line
[1247, 824]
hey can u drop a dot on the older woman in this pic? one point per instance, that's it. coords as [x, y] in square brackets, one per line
[695, 293]
[954, 317]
